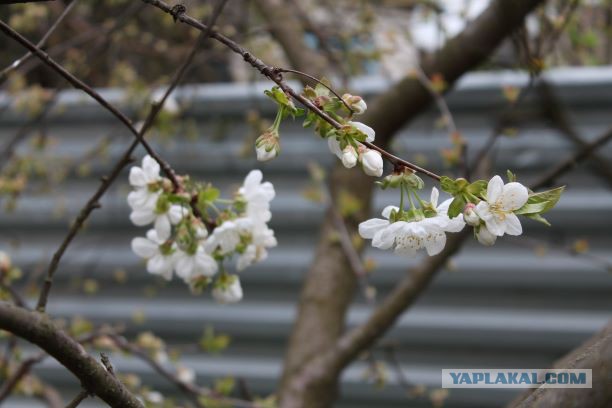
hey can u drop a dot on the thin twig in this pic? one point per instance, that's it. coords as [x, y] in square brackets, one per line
[80, 397]
[273, 74]
[295, 71]
[190, 389]
[6, 71]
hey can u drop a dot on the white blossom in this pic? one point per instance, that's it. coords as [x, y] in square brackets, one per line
[497, 211]
[144, 180]
[258, 196]
[228, 290]
[448, 224]
[163, 220]
[406, 237]
[363, 128]
[226, 237]
[159, 261]
[199, 263]
[372, 163]
[262, 238]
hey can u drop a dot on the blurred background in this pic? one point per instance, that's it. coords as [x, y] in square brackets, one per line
[521, 304]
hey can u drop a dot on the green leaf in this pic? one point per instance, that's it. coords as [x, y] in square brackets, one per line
[208, 195]
[477, 187]
[310, 119]
[538, 218]
[448, 184]
[456, 206]
[534, 208]
[511, 176]
[548, 199]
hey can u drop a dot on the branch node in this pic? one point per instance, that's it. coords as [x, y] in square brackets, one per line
[177, 11]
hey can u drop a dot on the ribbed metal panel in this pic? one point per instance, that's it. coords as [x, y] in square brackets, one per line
[504, 306]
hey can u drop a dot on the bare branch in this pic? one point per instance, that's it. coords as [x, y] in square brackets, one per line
[38, 329]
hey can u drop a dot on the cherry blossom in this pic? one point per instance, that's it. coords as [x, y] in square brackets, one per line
[497, 211]
[158, 253]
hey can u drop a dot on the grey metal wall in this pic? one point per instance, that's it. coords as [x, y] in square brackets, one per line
[502, 307]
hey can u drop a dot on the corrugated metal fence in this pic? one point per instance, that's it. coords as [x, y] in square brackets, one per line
[508, 306]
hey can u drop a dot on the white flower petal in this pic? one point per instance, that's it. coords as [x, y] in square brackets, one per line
[513, 224]
[485, 237]
[435, 194]
[137, 177]
[334, 146]
[142, 217]
[369, 132]
[144, 248]
[160, 265]
[435, 242]
[514, 196]
[386, 212]
[385, 238]
[495, 226]
[368, 228]
[163, 227]
[494, 189]
[150, 168]
[176, 214]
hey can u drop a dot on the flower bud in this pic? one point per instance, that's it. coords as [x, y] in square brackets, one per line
[356, 103]
[228, 289]
[349, 157]
[267, 146]
[484, 236]
[469, 215]
[372, 163]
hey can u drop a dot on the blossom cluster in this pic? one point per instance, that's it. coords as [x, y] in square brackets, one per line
[347, 142]
[490, 208]
[196, 247]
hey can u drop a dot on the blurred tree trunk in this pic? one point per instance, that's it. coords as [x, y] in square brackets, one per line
[330, 283]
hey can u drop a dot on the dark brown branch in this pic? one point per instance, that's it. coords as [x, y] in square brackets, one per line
[38, 329]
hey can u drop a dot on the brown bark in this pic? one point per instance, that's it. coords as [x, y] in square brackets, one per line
[329, 284]
[596, 354]
[38, 329]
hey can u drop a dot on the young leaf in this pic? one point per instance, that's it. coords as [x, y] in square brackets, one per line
[456, 206]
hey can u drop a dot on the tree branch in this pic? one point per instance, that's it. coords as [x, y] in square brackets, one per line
[38, 329]
[596, 354]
